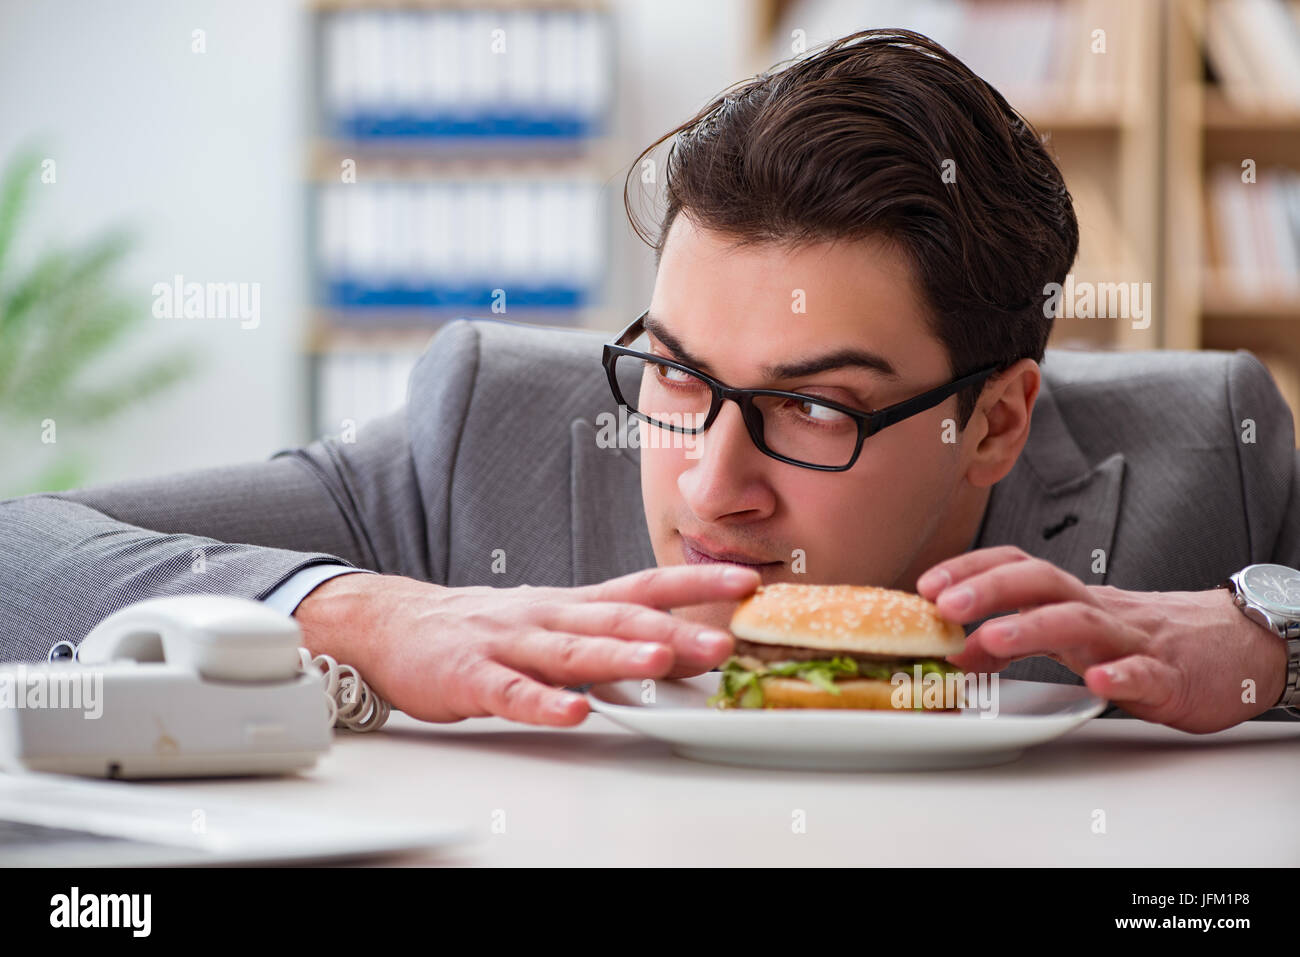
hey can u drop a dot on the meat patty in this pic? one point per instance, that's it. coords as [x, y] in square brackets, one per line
[771, 653]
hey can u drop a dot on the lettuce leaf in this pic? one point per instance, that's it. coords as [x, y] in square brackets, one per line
[820, 673]
[741, 687]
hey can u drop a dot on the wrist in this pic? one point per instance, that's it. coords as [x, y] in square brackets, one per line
[1273, 669]
[1268, 595]
[331, 617]
[1261, 653]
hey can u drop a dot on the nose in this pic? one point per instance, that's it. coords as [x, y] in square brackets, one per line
[727, 476]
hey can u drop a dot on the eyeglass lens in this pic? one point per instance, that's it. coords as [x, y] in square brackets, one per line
[799, 429]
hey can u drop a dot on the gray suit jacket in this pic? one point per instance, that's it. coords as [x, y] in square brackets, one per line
[1140, 455]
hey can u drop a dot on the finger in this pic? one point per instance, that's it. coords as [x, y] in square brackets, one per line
[505, 692]
[686, 669]
[1076, 632]
[675, 586]
[568, 659]
[1135, 680]
[961, 567]
[975, 657]
[1009, 587]
[693, 644]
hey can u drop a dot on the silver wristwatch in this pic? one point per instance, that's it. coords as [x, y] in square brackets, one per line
[1269, 595]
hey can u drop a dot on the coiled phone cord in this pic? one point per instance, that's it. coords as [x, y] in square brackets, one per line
[352, 702]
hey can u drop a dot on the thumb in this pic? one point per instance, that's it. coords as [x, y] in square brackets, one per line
[1136, 679]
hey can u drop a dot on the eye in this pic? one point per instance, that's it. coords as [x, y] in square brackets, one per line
[821, 413]
[675, 376]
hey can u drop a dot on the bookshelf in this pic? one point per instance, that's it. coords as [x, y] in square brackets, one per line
[457, 167]
[1142, 134]
[1234, 95]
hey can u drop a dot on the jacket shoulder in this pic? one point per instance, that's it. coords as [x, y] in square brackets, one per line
[1170, 398]
[1205, 433]
[515, 368]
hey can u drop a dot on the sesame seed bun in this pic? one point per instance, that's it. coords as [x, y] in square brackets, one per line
[847, 619]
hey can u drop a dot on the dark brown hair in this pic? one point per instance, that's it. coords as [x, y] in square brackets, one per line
[850, 142]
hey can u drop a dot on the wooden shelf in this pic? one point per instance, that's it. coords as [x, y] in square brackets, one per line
[1224, 302]
[381, 329]
[1223, 117]
[1072, 118]
[412, 164]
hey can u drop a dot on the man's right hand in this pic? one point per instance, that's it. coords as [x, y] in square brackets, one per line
[443, 654]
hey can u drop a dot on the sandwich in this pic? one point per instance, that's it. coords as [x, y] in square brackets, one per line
[839, 646]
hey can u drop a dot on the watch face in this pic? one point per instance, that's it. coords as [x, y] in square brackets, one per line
[1274, 586]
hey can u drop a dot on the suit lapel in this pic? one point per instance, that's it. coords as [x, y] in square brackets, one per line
[609, 534]
[1055, 505]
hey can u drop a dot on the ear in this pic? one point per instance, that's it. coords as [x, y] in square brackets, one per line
[999, 426]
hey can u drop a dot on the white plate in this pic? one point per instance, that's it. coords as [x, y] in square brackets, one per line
[1028, 713]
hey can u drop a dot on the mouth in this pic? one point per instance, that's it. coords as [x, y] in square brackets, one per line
[696, 553]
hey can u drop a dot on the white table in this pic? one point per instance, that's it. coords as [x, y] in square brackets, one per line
[599, 795]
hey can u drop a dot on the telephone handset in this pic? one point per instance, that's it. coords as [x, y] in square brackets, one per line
[217, 637]
[190, 685]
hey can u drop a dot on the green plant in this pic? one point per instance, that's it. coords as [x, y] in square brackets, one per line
[57, 317]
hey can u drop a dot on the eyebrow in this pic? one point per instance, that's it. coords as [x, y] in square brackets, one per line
[839, 359]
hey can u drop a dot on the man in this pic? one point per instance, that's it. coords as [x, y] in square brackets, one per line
[812, 245]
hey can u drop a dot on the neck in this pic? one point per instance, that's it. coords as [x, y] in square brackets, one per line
[957, 533]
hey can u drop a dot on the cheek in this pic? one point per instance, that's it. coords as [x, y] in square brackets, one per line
[829, 519]
[863, 524]
[906, 478]
[660, 468]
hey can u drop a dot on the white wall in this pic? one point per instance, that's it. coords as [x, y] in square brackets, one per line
[675, 56]
[202, 154]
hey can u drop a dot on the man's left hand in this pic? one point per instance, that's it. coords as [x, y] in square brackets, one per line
[1185, 659]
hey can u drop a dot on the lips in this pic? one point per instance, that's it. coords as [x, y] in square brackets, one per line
[697, 553]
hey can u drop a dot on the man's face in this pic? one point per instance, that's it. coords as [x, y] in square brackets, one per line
[733, 312]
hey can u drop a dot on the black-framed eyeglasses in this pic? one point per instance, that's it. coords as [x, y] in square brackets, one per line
[805, 430]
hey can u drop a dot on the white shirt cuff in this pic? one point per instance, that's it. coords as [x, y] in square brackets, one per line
[288, 595]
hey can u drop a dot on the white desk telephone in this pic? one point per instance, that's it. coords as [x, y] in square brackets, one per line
[184, 686]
